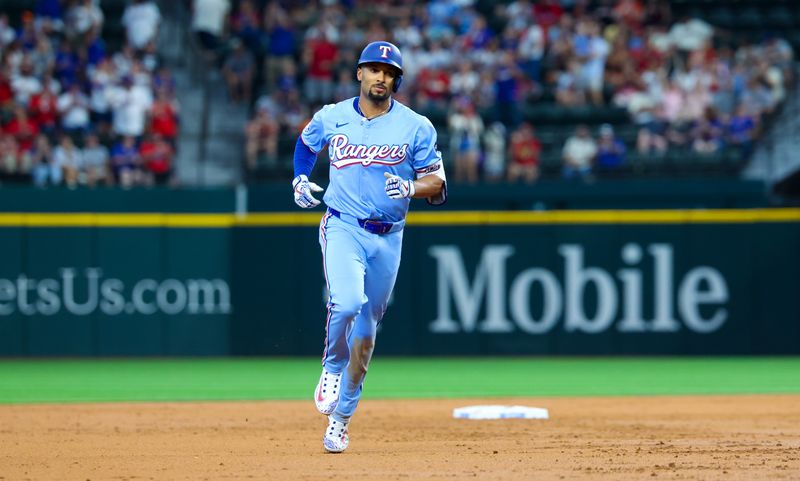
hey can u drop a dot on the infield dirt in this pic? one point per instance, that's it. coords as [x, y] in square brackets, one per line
[686, 438]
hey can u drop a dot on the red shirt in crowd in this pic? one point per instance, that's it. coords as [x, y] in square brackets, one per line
[547, 13]
[434, 83]
[164, 120]
[157, 156]
[43, 109]
[323, 56]
[525, 151]
[24, 131]
[6, 94]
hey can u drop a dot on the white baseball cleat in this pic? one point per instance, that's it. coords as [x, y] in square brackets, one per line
[336, 438]
[326, 396]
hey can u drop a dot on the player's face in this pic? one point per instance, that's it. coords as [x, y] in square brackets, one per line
[376, 80]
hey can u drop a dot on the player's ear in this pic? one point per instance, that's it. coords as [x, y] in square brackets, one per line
[358, 74]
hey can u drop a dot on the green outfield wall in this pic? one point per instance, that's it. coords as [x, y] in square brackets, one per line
[685, 281]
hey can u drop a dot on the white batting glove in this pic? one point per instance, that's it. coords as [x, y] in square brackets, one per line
[397, 188]
[303, 192]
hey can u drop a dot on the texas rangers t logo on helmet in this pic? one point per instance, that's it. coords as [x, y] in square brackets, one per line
[384, 52]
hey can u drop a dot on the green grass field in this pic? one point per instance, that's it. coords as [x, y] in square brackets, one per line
[45, 381]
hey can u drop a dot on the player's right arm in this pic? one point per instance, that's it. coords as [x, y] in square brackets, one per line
[310, 141]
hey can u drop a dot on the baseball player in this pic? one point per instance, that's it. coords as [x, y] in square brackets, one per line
[382, 154]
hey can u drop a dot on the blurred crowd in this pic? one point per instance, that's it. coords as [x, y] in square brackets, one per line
[686, 84]
[72, 112]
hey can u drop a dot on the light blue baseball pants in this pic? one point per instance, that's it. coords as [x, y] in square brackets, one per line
[360, 271]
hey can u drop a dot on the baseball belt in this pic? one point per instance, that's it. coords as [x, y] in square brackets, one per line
[369, 225]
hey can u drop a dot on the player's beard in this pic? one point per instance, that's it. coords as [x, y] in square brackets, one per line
[376, 97]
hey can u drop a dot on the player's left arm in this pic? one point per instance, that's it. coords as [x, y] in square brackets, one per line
[428, 186]
[430, 182]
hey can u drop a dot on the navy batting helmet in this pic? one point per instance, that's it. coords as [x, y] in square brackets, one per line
[384, 52]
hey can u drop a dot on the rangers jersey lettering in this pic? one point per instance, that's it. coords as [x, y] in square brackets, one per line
[400, 142]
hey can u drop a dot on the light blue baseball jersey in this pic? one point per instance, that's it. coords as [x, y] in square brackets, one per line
[400, 142]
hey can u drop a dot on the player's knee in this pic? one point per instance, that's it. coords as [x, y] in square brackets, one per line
[348, 308]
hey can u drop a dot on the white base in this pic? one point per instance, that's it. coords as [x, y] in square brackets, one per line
[500, 412]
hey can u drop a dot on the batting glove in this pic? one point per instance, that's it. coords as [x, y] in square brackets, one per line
[303, 192]
[397, 188]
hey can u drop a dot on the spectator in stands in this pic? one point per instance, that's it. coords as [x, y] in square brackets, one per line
[434, 87]
[123, 61]
[530, 51]
[706, 137]
[508, 90]
[157, 158]
[95, 161]
[494, 142]
[518, 14]
[83, 22]
[484, 95]
[7, 33]
[126, 162]
[465, 81]
[23, 129]
[245, 24]
[466, 128]
[43, 168]
[27, 33]
[610, 150]
[141, 20]
[25, 84]
[742, 131]
[129, 105]
[594, 62]
[69, 158]
[96, 51]
[149, 58]
[101, 81]
[708, 133]
[294, 113]
[320, 55]
[547, 13]
[208, 22]
[262, 136]
[73, 106]
[280, 41]
[50, 11]
[568, 91]
[629, 12]
[164, 81]
[10, 157]
[43, 57]
[524, 154]
[43, 108]
[651, 136]
[406, 33]
[6, 92]
[67, 64]
[697, 101]
[287, 77]
[239, 70]
[345, 87]
[688, 35]
[756, 98]
[578, 153]
[164, 116]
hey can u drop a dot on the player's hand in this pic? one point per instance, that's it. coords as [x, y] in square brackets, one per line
[397, 188]
[303, 192]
